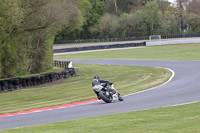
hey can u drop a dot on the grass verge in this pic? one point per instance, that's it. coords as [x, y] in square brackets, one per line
[165, 52]
[179, 119]
[135, 78]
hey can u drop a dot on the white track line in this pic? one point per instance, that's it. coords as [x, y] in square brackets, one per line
[184, 103]
[173, 74]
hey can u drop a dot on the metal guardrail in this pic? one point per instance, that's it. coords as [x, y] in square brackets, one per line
[64, 64]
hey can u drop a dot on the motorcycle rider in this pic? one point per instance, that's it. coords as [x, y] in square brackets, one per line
[98, 81]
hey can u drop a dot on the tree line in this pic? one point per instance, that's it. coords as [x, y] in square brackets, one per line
[134, 18]
[29, 27]
[27, 30]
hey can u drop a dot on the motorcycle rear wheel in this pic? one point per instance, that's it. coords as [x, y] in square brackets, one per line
[104, 97]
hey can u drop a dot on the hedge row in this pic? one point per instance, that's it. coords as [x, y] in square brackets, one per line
[102, 46]
[19, 83]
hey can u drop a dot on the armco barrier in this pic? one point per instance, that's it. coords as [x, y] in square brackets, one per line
[19, 83]
[95, 47]
[64, 64]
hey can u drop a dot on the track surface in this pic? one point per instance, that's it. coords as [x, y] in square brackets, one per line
[183, 88]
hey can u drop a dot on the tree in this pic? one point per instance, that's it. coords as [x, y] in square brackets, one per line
[130, 25]
[125, 25]
[124, 6]
[47, 18]
[27, 30]
[181, 5]
[193, 16]
[90, 13]
[93, 16]
[10, 19]
[73, 30]
[137, 24]
[163, 5]
[104, 28]
[193, 7]
[167, 24]
[152, 16]
[193, 23]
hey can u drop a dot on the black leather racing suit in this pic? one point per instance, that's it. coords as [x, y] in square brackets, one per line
[98, 81]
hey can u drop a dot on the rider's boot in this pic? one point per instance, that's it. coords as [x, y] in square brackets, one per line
[120, 97]
[98, 95]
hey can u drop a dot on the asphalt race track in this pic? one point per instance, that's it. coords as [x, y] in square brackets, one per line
[183, 88]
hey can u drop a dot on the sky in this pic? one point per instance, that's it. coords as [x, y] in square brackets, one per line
[172, 1]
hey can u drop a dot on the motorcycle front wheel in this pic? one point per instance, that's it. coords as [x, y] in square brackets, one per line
[104, 97]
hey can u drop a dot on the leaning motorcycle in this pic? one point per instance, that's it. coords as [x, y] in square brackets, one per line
[107, 94]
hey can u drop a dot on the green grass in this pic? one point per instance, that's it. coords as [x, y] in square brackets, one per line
[79, 88]
[166, 52]
[179, 119]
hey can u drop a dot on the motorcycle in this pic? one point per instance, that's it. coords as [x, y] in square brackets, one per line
[108, 94]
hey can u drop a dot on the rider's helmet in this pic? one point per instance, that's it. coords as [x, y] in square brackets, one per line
[96, 77]
[96, 80]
